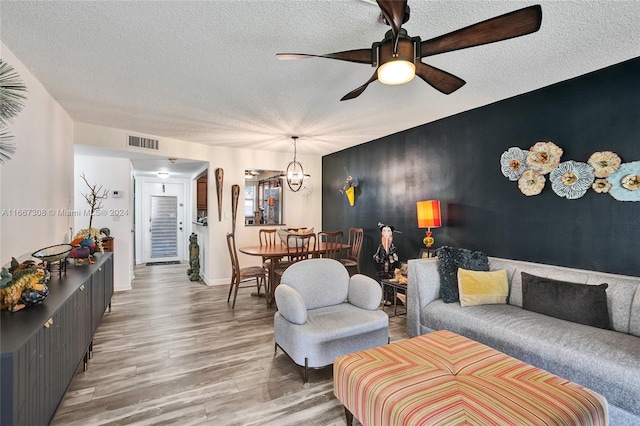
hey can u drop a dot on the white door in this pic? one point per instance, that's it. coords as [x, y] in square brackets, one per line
[163, 222]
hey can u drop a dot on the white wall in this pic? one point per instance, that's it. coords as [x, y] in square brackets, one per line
[298, 210]
[116, 213]
[39, 176]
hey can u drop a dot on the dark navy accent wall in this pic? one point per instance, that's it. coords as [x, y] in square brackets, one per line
[457, 160]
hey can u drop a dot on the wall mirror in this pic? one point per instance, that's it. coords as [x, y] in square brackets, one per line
[263, 198]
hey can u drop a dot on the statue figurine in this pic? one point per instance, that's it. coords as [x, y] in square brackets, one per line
[194, 258]
[386, 255]
[387, 259]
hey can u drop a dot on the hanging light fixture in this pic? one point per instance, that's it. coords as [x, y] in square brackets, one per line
[294, 174]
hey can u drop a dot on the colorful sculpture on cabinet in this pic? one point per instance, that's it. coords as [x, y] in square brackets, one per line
[22, 285]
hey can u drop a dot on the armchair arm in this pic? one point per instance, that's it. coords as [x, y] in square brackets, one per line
[422, 289]
[364, 292]
[290, 304]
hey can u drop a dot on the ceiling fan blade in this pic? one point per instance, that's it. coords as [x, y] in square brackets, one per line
[503, 27]
[439, 79]
[357, 92]
[393, 11]
[361, 56]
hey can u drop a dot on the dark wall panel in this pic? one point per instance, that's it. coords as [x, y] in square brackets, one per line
[457, 160]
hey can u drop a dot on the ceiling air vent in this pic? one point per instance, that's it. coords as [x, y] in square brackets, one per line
[140, 142]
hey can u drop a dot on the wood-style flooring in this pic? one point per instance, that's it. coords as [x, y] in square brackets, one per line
[172, 351]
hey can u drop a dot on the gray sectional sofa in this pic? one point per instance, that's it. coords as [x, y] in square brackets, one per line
[606, 361]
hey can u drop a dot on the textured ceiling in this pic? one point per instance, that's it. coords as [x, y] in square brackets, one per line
[206, 71]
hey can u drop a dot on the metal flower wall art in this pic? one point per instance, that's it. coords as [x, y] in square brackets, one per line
[625, 182]
[603, 172]
[571, 179]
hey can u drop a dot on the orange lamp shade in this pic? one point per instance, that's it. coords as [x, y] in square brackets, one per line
[271, 201]
[428, 214]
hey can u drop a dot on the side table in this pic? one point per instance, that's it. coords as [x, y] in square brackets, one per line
[397, 287]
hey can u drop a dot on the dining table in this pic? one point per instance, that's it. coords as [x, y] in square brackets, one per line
[275, 253]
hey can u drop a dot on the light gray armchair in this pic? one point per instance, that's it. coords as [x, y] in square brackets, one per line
[323, 313]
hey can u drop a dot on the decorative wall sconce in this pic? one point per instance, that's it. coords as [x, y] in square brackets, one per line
[428, 217]
[350, 189]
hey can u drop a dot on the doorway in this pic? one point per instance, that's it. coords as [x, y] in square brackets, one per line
[163, 217]
[164, 226]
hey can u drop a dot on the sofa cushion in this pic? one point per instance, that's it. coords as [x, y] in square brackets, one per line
[624, 308]
[449, 260]
[581, 303]
[482, 287]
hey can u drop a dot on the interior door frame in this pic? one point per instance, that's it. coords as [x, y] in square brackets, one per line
[153, 187]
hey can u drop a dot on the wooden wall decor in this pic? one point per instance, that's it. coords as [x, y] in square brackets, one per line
[219, 178]
[235, 195]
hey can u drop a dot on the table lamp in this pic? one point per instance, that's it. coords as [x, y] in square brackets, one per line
[428, 217]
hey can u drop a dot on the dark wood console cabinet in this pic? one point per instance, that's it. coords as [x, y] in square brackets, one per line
[43, 345]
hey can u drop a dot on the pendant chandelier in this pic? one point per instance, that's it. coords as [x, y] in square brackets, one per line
[294, 174]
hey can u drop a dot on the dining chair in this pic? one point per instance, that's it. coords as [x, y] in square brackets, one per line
[333, 242]
[299, 247]
[268, 238]
[352, 260]
[240, 275]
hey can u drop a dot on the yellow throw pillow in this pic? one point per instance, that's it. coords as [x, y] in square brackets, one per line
[482, 288]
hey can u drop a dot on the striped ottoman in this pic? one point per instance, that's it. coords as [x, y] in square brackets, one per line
[443, 378]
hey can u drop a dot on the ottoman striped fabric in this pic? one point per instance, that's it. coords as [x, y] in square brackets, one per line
[443, 378]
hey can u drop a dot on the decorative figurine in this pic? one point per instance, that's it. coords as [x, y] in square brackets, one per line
[26, 285]
[194, 258]
[386, 255]
[82, 249]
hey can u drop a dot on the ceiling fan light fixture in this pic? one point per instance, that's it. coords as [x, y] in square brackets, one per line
[396, 72]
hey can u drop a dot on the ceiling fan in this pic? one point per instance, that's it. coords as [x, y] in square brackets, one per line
[397, 58]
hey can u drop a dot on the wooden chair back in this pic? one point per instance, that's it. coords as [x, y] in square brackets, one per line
[300, 246]
[333, 241]
[268, 237]
[356, 237]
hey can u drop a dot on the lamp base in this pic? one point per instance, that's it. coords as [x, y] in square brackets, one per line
[428, 240]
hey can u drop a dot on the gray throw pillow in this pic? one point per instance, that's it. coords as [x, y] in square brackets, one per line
[581, 303]
[449, 260]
